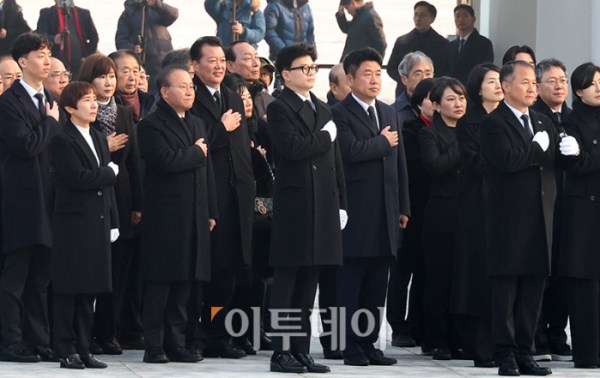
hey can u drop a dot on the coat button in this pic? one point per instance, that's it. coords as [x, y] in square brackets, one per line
[541, 168]
[335, 191]
[101, 216]
[99, 193]
[314, 167]
[543, 193]
[50, 169]
[595, 141]
[592, 198]
[333, 167]
[384, 160]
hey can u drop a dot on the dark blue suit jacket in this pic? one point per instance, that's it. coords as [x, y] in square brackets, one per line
[376, 180]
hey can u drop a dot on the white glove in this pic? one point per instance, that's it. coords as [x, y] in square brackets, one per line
[114, 235]
[569, 146]
[542, 138]
[114, 167]
[343, 218]
[331, 129]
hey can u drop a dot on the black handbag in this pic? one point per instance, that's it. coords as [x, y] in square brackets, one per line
[263, 206]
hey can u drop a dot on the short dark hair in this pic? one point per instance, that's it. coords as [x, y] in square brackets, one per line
[466, 7]
[421, 92]
[430, 8]
[163, 78]
[507, 72]
[230, 53]
[179, 57]
[28, 42]
[440, 85]
[354, 59]
[288, 54]
[511, 54]
[74, 92]
[475, 80]
[582, 78]
[95, 66]
[545, 65]
[196, 49]
[119, 54]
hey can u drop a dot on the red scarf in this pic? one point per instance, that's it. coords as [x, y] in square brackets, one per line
[427, 122]
[61, 27]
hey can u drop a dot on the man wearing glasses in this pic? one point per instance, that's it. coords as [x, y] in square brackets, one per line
[10, 71]
[58, 78]
[309, 200]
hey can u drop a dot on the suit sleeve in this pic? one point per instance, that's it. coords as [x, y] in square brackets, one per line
[436, 162]
[343, 22]
[213, 211]
[256, 30]
[339, 168]
[43, 25]
[488, 51]
[398, 53]
[92, 35]
[114, 211]
[472, 160]
[403, 193]
[377, 36]
[134, 166]
[272, 20]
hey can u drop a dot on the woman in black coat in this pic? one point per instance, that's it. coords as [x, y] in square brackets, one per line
[579, 256]
[84, 224]
[440, 156]
[116, 123]
[12, 25]
[471, 290]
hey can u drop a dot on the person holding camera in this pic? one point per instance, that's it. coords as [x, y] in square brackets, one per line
[72, 31]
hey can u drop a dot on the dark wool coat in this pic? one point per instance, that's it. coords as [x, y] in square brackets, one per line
[309, 185]
[179, 198]
[85, 210]
[365, 30]
[477, 49]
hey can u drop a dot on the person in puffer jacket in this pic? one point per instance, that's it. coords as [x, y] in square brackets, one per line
[250, 24]
[288, 22]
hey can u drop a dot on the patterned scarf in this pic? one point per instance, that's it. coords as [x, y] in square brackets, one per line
[107, 116]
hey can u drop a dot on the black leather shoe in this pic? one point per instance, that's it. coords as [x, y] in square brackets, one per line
[376, 357]
[223, 348]
[403, 340]
[509, 368]
[311, 366]
[329, 354]
[72, 362]
[155, 356]
[18, 353]
[110, 347]
[585, 366]
[93, 363]
[357, 359]
[484, 363]
[244, 344]
[441, 354]
[286, 363]
[183, 355]
[95, 347]
[45, 353]
[532, 368]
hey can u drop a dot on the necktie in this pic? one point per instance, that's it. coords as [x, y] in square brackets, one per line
[557, 114]
[461, 43]
[310, 105]
[525, 119]
[42, 105]
[371, 111]
[217, 96]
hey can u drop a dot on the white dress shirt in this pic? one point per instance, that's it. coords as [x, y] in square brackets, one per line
[85, 132]
[518, 114]
[365, 106]
[32, 92]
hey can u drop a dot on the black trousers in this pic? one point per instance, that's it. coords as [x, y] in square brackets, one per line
[73, 322]
[294, 288]
[129, 326]
[24, 296]
[327, 300]
[551, 334]
[164, 313]
[477, 336]
[218, 293]
[516, 306]
[362, 285]
[584, 308]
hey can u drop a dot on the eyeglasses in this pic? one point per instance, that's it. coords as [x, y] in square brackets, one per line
[306, 69]
[185, 88]
[552, 82]
[64, 74]
[145, 77]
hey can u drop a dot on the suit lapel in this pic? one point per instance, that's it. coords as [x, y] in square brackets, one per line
[514, 121]
[536, 122]
[297, 105]
[359, 112]
[26, 100]
[178, 127]
[446, 135]
[323, 113]
[83, 145]
[99, 150]
[204, 97]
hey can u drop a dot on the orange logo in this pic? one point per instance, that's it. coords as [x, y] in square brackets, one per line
[214, 311]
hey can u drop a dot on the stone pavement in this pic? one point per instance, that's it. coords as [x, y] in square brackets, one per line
[410, 364]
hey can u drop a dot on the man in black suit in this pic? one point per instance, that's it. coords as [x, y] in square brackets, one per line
[229, 142]
[468, 49]
[521, 146]
[73, 32]
[422, 38]
[551, 338]
[378, 205]
[179, 214]
[309, 206]
[30, 119]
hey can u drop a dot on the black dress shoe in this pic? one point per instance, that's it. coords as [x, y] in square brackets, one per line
[441, 354]
[45, 353]
[93, 363]
[95, 347]
[509, 368]
[72, 362]
[223, 348]
[376, 357]
[459, 354]
[111, 347]
[484, 363]
[329, 354]
[244, 344]
[357, 359]
[183, 355]
[532, 368]
[155, 356]
[403, 340]
[286, 363]
[585, 366]
[311, 366]
[18, 352]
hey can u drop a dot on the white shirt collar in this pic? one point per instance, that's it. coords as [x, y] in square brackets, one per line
[32, 92]
[517, 113]
[86, 133]
[466, 36]
[303, 98]
[364, 104]
[212, 90]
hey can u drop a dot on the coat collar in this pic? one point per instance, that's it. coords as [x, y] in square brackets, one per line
[444, 131]
[475, 114]
[23, 96]
[355, 108]
[297, 105]
[402, 101]
[204, 97]
[585, 112]
[174, 123]
[72, 131]
[510, 117]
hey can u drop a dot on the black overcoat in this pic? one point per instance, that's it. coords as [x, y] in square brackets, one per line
[376, 180]
[179, 198]
[146, 103]
[364, 30]
[234, 178]
[478, 49]
[521, 193]
[85, 210]
[129, 185]
[25, 169]
[309, 186]
[579, 254]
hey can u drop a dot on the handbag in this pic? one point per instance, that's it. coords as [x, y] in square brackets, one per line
[263, 206]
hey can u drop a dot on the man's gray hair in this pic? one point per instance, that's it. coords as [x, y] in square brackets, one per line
[409, 61]
[507, 72]
[545, 65]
